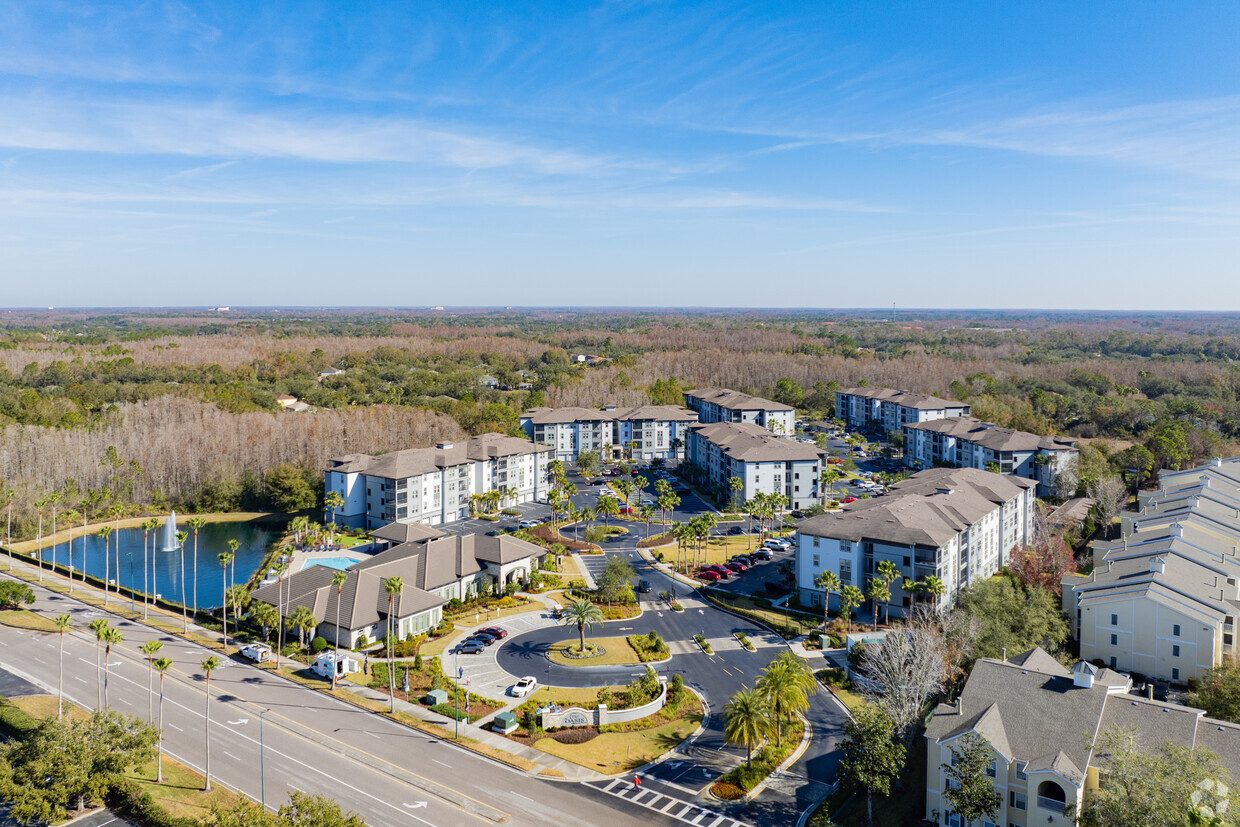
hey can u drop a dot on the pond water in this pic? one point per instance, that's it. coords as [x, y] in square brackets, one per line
[164, 577]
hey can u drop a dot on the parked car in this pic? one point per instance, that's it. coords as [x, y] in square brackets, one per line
[495, 632]
[634, 473]
[643, 585]
[485, 636]
[485, 640]
[470, 647]
[798, 514]
[736, 567]
[495, 532]
[528, 523]
[709, 575]
[522, 687]
[736, 529]
[760, 554]
[722, 571]
[849, 499]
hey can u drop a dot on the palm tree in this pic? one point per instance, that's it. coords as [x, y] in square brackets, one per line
[889, 574]
[303, 621]
[150, 525]
[233, 545]
[393, 586]
[746, 720]
[647, 514]
[161, 665]
[106, 532]
[146, 584]
[87, 501]
[38, 543]
[8, 532]
[787, 684]
[332, 501]
[934, 587]
[62, 623]
[338, 580]
[280, 568]
[181, 538]
[53, 499]
[116, 512]
[150, 649]
[583, 614]
[850, 598]
[608, 507]
[829, 582]
[99, 627]
[225, 557]
[196, 523]
[111, 637]
[70, 515]
[266, 616]
[735, 485]
[912, 588]
[878, 591]
[209, 664]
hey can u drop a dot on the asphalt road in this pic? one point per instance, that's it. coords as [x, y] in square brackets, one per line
[269, 736]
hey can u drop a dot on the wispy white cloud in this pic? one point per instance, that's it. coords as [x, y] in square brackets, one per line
[204, 170]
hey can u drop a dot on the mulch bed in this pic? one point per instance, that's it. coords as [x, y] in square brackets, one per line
[576, 735]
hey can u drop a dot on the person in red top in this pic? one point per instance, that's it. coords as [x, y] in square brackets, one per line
[637, 782]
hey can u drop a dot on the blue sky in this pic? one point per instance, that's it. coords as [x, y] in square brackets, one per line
[815, 154]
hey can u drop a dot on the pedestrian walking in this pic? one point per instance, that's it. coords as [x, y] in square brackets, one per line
[366, 666]
[637, 782]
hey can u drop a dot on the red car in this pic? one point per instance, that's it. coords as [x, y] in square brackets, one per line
[736, 567]
[719, 570]
[847, 500]
[709, 576]
[495, 632]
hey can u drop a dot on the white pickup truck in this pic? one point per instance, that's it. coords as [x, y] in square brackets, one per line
[257, 652]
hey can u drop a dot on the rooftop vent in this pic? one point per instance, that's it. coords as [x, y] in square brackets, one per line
[443, 446]
[1158, 565]
[943, 490]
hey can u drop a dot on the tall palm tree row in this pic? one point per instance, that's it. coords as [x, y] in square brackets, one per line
[150, 649]
[99, 627]
[225, 557]
[111, 637]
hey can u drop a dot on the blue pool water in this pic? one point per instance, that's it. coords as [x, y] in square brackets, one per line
[340, 563]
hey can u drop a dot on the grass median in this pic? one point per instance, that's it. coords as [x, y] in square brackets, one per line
[616, 652]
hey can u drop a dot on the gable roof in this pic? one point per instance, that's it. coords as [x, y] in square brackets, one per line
[992, 437]
[406, 532]
[908, 399]
[736, 401]
[414, 462]
[750, 442]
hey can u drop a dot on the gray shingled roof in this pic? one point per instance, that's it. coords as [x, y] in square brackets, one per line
[416, 461]
[992, 437]
[736, 401]
[908, 399]
[748, 442]
[642, 413]
[1044, 719]
[928, 509]
[406, 532]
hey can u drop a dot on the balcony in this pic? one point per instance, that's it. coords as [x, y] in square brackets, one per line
[1052, 804]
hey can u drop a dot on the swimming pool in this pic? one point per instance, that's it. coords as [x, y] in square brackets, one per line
[340, 563]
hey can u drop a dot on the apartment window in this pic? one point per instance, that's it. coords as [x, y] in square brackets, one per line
[1175, 651]
[816, 563]
[816, 542]
[1114, 640]
[1016, 800]
[1175, 674]
[1112, 661]
[1021, 775]
[906, 562]
[992, 769]
[1114, 620]
[1175, 630]
[952, 820]
[989, 824]
[846, 572]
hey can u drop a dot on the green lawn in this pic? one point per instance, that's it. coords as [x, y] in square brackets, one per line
[24, 619]
[617, 752]
[618, 652]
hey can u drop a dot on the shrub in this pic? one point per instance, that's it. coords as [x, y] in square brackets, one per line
[318, 644]
[362, 642]
[454, 604]
[417, 663]
[676, 688]
[510, 512]
[726, 791]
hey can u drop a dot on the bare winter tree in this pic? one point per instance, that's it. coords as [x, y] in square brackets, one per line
[1110, 494]
[907, 670]
[1047, 557]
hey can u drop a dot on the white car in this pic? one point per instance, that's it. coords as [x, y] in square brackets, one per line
[257, 652]
[529, 523]
[522, 687]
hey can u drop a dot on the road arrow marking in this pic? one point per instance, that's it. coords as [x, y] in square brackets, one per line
[239, 723]
[415, 805]
[701, 611]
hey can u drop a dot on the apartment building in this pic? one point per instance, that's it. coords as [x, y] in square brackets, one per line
[433, 485]
[1163, 600]
[887, 410]
[764, 463]
[960, 525]
[965, 442]
[723, 405]
[643, 433]
[1043, 725]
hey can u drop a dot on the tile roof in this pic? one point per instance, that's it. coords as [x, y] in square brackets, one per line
[992, 437]
[927, 509]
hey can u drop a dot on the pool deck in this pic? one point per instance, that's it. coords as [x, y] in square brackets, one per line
[302, 559]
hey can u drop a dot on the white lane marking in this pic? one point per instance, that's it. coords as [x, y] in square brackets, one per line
[174, 726]
[441, 763]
